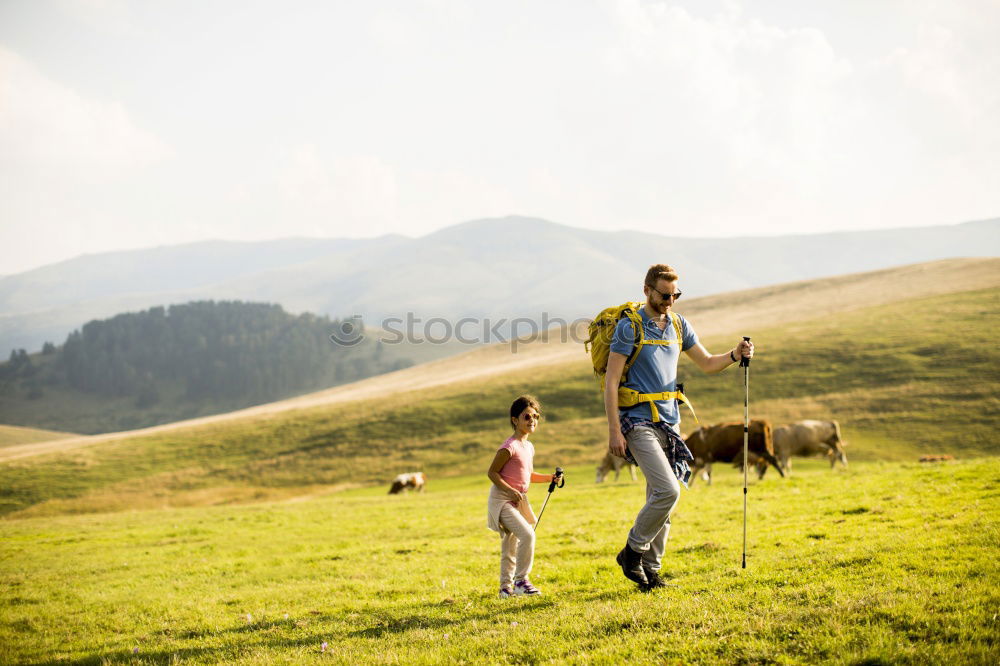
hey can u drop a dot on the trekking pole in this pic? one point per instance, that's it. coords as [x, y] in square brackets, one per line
[556, 478]
[745, 364]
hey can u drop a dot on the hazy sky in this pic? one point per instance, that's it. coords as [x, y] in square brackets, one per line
[133, 124]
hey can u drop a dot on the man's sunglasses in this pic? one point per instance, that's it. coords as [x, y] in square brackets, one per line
[674, 295]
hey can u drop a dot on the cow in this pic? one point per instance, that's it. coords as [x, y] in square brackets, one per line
[414, 480]
[804, 438]
[724, 443]
[613, 462]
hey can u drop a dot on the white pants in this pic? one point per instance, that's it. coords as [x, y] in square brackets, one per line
[517, 546]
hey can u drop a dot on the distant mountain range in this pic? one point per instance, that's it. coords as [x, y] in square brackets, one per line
[491, 268]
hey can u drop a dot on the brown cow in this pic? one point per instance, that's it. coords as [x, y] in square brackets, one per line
[613, 462]
[414, 480]
[724, 443]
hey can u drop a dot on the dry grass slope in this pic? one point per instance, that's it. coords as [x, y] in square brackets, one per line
[18, 435]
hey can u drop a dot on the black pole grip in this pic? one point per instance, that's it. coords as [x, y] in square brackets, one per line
[745, 360]
[557, 478]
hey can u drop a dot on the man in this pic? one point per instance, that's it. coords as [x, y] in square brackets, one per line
[650, 429]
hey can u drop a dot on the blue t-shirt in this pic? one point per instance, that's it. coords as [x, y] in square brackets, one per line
[655, 369]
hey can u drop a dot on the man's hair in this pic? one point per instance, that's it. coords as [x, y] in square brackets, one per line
[522, 403]
[659, 272]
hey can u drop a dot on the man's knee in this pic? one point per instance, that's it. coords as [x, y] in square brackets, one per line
[665, 496]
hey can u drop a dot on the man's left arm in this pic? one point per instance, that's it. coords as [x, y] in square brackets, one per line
[713, 363]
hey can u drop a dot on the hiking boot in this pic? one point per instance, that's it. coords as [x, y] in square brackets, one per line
[653, 579]
[525, 587]
[506, 591]
[631, 564]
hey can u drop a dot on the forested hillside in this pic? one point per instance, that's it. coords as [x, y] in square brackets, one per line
[164, 364]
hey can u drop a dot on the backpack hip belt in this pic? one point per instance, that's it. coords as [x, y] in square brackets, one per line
[630, 398]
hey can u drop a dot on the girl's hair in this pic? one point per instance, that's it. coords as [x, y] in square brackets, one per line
[522, 403]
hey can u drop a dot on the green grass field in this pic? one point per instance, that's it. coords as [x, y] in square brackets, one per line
[918, 376]
[884, 563]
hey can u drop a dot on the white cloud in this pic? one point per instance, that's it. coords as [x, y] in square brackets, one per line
[393, 29]
[757, 85]
[743, 116]
[773, 126]
[946, 85]
[434, 198]
[361, 195]
[49, 125]
[326, 194]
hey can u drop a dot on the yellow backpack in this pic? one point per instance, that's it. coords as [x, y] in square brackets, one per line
[600, 333]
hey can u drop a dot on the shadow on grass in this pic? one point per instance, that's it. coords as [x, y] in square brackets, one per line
[222, 654]
[219, 654]
[400, 620]
[409, 617]
[398, 625]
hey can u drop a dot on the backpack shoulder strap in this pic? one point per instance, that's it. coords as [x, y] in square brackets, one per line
[676, 319]
[632, 313]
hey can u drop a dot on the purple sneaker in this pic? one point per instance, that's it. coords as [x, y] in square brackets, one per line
[525, 587]
[506, 591]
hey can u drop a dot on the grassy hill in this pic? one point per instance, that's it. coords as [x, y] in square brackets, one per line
[740, 311]
[17, 435]
[863, 566]
[903, 378]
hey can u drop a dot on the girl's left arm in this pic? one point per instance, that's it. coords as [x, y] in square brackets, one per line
[542, 478]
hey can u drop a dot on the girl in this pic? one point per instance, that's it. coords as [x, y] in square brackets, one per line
[510, 513]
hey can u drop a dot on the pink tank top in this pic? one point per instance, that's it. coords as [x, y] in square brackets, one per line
[517, 470]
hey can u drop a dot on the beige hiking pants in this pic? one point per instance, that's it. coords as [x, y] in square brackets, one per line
[517, 546]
